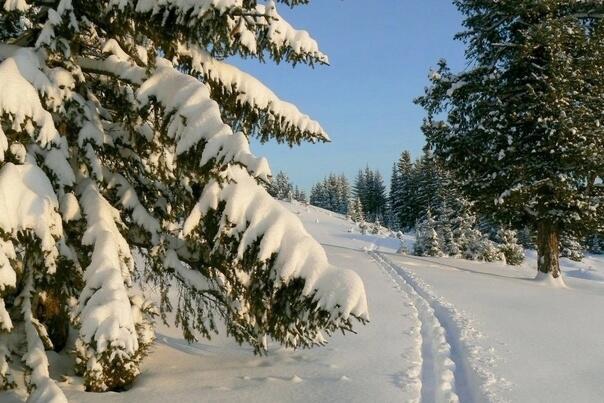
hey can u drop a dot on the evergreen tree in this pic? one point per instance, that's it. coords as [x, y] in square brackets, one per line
[375, 227]
[522, 128]
[124, 129]
[509, 246]
[344, 195]
[595, 244]
[450, 246]
[426, 238]
[394, 198]
[526, 238]
[571, 248]
[318, 195]
[428, 194]
[356, 211]
[405, 200]
[370, 189]
[360, 188]
[333, 194]
[300, 195]
[463, 226]
[280, 186]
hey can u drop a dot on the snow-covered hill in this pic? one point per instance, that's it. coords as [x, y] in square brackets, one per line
[441, 329]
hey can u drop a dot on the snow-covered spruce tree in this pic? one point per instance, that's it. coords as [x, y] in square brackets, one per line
[280, 186]
[318, 195]
[123, 130]
[526, 237]
[394, 198]
[355, 211]
[571, 248]
[426, 237]
[507, 243]
[332, 193]
[595, 244]
[370, 189]
[300, 195]
[522, 127]
[449, 244]
[405, 206]
[375, 227]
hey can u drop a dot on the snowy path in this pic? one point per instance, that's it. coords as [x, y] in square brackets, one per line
[446, 373]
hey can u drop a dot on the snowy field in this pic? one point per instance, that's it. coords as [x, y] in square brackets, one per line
[441, 329]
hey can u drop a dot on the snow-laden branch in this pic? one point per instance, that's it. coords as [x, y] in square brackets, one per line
[282, 35]
[253, 214]
[251, 92]
[104, 306]
[194, 117]
[21, 73]
[253, 29]
[16, 75]
[113, 66]
[26, 192]
[130, 201]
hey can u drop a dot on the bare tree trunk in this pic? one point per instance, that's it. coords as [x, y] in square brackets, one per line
[548, 249]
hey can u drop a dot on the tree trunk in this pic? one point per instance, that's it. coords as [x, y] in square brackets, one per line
[51, 312]
[548, 249]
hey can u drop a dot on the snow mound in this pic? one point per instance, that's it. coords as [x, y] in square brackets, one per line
[547, 279]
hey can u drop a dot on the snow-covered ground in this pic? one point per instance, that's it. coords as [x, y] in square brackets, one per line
[441, 329]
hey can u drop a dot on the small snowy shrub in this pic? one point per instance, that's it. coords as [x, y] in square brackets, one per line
[363, 227]
[509, 246]
[571, 248]
[595, 244]
[403, 250]
[427, 242]
[375, 227]
[480, 247]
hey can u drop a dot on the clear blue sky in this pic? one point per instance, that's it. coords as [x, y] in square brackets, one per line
[380, 53]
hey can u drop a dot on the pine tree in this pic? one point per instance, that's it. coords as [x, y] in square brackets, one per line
[463, 226]
[343, 192]
[318, 195]
[394, 198]
[571, 248]
[370, 189]
[360, 188]
[595, 244]
[429, 185]
[300, 195]
[123, 129]
[522, 128]
[332, 193]
[280, 186]
[375, 227]
[356, 212]
[426, 238]
[405, 204]
[526, 238]
[450, 246]
[509, 246]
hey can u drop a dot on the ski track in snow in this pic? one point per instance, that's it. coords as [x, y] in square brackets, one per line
[449, 364]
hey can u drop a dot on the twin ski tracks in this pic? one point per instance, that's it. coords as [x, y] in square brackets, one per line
[441, 371]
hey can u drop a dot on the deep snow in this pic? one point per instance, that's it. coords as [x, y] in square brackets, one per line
[441, 329]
